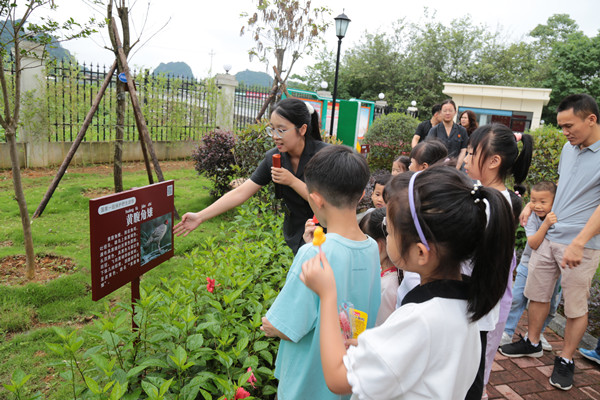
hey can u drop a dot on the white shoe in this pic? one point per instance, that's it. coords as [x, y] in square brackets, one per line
[545, 345]
[505, 339]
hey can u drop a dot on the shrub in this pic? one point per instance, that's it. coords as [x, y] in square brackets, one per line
[389, 136]
[214, 158]
[198, 333]
[548, 142]
[250, 147]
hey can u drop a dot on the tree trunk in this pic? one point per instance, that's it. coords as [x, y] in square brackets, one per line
[20, 197]
[119, 134]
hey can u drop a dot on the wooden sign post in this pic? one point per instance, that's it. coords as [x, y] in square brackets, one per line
[131, 232]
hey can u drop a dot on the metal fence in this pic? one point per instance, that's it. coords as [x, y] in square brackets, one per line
[175, 108]
[247, 104]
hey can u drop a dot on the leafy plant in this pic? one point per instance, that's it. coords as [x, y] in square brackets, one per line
[548, 142]
[198, 333]
[17, 386]
[214, 158]
[251, 144]
[389, 136]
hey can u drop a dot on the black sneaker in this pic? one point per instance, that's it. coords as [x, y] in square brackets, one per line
[522, 348]
[562, 375]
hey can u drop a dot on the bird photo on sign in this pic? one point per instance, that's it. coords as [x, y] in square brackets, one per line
[155, 238]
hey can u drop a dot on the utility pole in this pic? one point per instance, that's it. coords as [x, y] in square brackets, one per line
[211, 54]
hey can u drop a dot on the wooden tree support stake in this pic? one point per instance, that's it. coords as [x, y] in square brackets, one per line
[86, 123]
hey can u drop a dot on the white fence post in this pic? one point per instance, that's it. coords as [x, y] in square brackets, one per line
[33, 129]
[226, 84]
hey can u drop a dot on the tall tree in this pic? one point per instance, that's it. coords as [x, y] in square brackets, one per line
[41, 35]
[285, 30]
[123, 13]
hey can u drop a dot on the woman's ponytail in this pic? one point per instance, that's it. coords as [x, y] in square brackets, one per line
[314, 132]
[493, 255]
[521, 165]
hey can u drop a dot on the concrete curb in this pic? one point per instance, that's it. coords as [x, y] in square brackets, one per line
[558, 325]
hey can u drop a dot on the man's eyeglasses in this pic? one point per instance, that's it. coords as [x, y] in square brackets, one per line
[278, 132]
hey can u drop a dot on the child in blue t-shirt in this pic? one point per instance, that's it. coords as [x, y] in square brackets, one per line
[542, 198]
[335, 177]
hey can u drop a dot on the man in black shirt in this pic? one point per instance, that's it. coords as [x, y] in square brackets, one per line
[425, 126]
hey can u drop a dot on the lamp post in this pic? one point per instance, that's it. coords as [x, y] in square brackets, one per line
[341, 25]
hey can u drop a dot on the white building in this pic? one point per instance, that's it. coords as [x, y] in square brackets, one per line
[516, 107]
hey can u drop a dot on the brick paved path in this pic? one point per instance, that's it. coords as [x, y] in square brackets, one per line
[527, 378]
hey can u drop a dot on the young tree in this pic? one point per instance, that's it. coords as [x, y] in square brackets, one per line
[17, 29]
[123, 13]
[287, 30]
[122, 7]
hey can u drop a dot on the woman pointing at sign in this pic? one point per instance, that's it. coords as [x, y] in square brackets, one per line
[294, 127]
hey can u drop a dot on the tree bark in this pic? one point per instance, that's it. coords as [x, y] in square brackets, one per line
[119, 134]
[20, 197]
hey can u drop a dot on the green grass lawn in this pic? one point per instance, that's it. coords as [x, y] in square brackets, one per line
[28, 312]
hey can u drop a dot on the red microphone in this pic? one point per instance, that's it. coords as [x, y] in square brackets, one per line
[277, 160]
[277, 164]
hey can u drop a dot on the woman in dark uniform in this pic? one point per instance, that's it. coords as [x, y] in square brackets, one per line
[454, 136]
[294, 127]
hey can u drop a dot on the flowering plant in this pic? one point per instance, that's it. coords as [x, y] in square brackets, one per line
[193, 341]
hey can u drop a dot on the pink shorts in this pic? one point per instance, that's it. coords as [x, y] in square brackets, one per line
[544, 270]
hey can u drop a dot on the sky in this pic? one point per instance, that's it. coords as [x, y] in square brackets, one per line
[206, 33]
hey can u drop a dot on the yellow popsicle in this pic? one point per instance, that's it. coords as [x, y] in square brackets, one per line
[319, 236]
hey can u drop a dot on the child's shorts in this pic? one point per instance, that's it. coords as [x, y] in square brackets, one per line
[544, 269]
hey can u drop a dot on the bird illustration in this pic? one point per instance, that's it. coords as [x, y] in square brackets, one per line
[157, 234]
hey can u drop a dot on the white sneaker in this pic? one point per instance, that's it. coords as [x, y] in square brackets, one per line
[505, 339]
[545, 345]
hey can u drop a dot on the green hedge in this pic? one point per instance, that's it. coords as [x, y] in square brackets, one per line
[389, 137]
[548, 142]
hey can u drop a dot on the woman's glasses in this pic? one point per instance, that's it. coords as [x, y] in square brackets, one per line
[278, 132]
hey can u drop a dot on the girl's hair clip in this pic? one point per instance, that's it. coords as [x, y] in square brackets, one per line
[476, 194]
[517, 193]
[310, 108]
[518, 136]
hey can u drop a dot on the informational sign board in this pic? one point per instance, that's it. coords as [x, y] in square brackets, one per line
[130, 233]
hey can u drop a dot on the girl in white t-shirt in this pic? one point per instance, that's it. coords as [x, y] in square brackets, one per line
[372, 224]
[492, 155]
[430, 347]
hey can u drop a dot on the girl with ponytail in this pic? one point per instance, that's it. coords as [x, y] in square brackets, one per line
[492, 155]
[430, 347]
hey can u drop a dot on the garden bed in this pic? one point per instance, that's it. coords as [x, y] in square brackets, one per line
[47, 267]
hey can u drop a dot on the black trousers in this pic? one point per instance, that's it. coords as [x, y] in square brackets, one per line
[476, 390]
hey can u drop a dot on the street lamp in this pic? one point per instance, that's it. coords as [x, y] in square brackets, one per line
[341, 25]
[413, 110]
[227, 68]
[324, 85]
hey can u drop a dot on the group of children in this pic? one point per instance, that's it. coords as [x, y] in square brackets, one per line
[434, 327]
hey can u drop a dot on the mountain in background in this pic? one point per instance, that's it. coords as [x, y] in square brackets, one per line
[174, 68]
[55, 50]
[253, 78]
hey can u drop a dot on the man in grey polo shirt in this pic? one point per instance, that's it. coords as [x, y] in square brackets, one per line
[572, 245]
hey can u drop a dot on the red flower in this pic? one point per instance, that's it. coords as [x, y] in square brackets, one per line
[241, 394]
[210, 286]
[252, 378]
